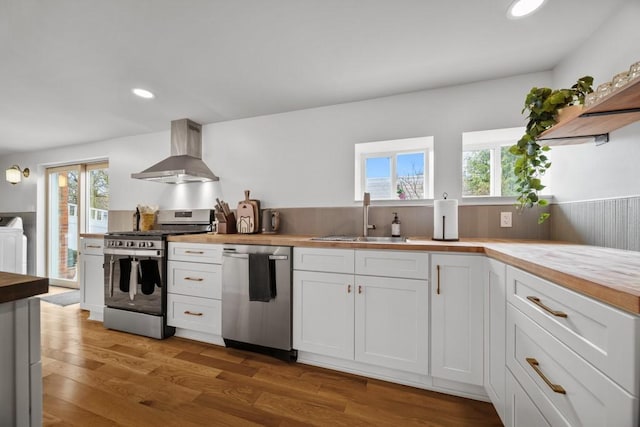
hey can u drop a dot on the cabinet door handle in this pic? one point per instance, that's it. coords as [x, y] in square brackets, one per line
[191, 313]
[555, 387]
[359, 289]
[348, 289]
[438, 287]
[194, 252]
[539, 303]
[94, 246]
[194, 279]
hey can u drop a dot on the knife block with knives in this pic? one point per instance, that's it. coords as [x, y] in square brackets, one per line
[248, 215]
[226, 219]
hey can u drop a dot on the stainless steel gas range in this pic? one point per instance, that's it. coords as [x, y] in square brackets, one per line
[135, 267]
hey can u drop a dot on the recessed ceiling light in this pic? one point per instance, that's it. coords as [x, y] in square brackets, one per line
[142, 93]
[521, 8]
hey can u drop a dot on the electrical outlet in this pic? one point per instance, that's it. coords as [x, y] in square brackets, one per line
[505, 219]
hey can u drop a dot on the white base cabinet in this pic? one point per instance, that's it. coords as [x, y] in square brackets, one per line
[91, 277]
[21, 367]
[457, 299]
[381, 321]
[194, 291]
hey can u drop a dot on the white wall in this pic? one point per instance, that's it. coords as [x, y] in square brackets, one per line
[296, 159]
[585, 172]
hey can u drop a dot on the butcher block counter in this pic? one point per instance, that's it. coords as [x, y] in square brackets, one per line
[18, 286]
[608, 275]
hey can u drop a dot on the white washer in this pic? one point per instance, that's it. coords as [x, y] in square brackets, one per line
[13, 245]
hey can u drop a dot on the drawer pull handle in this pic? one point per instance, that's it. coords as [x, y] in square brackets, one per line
[537, 302]
[194, 279]
[94, 246]
[348, 289]
[359, 289]
[194, 252]
[438, 288]
[555, 387]
[191, 313]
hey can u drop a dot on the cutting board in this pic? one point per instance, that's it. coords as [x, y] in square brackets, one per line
[247, 215]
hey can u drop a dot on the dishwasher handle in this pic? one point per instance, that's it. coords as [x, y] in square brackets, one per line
[246, 256]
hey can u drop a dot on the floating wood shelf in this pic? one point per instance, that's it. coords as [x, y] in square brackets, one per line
[577, 125]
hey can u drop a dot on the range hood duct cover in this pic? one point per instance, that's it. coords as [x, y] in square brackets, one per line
[185, 163]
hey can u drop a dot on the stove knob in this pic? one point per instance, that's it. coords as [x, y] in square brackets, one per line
[150, 244]
[130, 244]
[141, 244]
[119, 243]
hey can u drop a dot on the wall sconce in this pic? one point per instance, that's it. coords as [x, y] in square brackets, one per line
[14, 174]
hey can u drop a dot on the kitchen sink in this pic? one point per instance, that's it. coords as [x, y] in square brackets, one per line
[341, 238]
[383, 239]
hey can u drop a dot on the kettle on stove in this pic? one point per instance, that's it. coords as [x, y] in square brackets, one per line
[270, 221]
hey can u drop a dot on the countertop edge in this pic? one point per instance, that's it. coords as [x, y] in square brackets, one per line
[621, 297]
[15, 286]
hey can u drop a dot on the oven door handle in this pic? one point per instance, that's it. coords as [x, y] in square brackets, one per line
[111, 261]
[135, 252]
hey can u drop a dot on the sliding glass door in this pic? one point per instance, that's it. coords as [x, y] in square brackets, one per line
[78, 202]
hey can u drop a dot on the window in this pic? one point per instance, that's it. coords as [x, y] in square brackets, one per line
[399, 169]
[487, 165]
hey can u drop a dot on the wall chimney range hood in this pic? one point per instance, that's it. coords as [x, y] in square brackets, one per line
[185, 163]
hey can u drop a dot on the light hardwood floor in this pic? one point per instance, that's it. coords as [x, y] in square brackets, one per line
[96, 377]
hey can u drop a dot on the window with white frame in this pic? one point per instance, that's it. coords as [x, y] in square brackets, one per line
[400, 169]
[487, 165]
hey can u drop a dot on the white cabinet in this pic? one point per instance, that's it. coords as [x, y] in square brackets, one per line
[381, 321]
[194, 291]
[574, 357]
[566, 388]
[392, 323]
[495, 304]
[521, 411]
[457, 298]
[91, 276]
[21, 367]
[323, 313]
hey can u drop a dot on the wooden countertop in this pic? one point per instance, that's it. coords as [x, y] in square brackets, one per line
[18, 286]
[608, 275]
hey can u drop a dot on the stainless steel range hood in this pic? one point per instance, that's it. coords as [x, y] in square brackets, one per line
[185, 163]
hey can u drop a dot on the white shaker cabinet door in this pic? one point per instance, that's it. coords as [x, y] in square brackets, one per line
[495, 333]
[392, 323]
[457, 299]
[323, 313]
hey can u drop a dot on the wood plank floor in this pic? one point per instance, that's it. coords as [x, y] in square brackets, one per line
[96, 377]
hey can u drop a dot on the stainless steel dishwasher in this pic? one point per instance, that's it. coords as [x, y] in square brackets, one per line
[258, 321]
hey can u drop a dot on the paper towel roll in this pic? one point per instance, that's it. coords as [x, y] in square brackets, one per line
[445, 219]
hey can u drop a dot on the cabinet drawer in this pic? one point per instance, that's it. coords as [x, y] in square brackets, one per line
[195, 252]
[197, 314]
[605, 336]
[318, 259]
[194, 279]
[408, 265]
[541, 363]
[91, 246]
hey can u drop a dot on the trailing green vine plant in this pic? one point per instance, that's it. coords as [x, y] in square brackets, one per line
[531, 159]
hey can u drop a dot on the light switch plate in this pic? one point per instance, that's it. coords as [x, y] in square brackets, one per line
[506, 219]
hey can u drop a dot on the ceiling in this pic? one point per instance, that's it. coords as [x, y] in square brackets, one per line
[68, 66]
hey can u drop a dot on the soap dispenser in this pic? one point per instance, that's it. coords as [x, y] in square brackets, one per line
[395, 226]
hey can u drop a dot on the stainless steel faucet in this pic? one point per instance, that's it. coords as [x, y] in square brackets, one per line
[366, 201]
